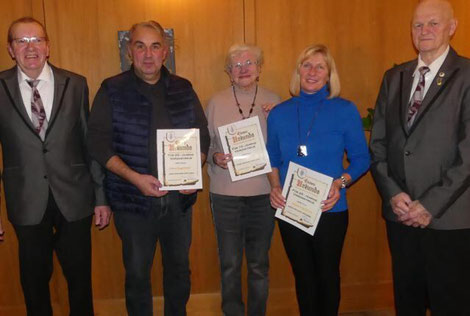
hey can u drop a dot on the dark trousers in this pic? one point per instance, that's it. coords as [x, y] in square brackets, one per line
[139, 236]
[315, 263]
[430, 270]
[243, 223]
[72, 243]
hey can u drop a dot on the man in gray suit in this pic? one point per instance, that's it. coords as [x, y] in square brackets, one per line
[420, 147]
[51, 187]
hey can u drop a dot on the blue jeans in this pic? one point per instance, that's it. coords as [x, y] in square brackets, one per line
[139, 237]
[243, 223]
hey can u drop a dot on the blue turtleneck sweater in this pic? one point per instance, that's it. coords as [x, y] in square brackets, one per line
[336, 128]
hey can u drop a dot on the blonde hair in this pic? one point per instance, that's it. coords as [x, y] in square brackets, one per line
[333, 80]
[237, 49]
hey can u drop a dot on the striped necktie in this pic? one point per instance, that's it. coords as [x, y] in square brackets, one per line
[418, 95]
[38, 115]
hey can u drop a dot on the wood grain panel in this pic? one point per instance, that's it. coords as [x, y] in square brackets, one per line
[84, 39]
[10, 289]
[460, 41]
[366, 37]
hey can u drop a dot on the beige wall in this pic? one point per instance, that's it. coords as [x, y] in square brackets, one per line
[366, 37]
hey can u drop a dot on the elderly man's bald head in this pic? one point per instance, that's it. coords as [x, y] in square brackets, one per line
[432, 27]
[443, 5]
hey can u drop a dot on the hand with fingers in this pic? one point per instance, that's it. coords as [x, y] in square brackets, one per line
[221, 159]
[102, 216]
[333, 196]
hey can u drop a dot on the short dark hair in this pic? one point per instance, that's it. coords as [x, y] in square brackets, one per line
[25, 19]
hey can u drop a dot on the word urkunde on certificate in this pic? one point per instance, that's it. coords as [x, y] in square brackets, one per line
[244, 140]
[179, 159]
[304, 190]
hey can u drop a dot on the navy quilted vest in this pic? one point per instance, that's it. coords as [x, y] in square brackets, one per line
[131, 113]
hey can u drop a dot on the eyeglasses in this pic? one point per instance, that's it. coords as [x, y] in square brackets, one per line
[247, 63]
[23, 41]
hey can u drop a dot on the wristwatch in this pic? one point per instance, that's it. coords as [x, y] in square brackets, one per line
[344, 182]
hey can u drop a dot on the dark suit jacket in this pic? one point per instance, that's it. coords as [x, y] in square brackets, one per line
[61, 163]
[431, 160]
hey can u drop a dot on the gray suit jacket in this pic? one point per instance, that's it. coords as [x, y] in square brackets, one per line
[61, 163]
[431, 160]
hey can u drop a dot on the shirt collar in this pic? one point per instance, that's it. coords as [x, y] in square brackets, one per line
[435, 65]
[45, 75]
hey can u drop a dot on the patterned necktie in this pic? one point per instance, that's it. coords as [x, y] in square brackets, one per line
[418, 95]
[38, 115]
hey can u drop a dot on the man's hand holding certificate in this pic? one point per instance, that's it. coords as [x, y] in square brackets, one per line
[304, 190]
[179, 159]
[244, 141]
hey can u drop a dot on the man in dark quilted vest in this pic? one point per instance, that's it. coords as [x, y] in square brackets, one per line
[127, 111]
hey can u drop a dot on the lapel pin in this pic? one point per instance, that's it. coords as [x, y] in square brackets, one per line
[439, 80]
[442, 74]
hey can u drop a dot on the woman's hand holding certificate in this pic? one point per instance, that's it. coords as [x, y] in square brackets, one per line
[306, 196]
[244, 141]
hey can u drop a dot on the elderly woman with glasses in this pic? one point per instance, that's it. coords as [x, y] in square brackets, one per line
[315, 128]
[243, 217]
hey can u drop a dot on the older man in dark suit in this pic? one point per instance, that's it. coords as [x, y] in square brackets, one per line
[420, 146]
[51, 186]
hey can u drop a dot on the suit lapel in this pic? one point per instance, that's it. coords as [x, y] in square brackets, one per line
[406, 81]
[61, 81]
[12, 89]
[441, 80]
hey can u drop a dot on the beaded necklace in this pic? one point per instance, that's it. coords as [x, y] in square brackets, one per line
[238, 103]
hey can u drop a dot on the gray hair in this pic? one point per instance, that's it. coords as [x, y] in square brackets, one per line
[150, 24]
[237, 49]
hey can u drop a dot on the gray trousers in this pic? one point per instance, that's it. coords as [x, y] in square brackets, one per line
[243, 224]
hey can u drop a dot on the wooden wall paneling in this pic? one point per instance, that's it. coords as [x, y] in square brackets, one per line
[249, 17]
[11, 295]
[84, 39]
[460, 41]
[366, 38]
[10, 11]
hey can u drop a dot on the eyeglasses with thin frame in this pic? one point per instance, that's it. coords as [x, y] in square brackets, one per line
[23, 41]
[240, 65]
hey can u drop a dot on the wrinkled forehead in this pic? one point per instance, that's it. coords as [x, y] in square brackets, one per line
[243, 56]
[147, 35]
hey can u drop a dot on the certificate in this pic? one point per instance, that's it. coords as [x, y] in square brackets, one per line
[244, 140]
[179, 159]
[304, 190]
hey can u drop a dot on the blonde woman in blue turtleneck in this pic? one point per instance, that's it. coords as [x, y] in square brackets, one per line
[315, 129]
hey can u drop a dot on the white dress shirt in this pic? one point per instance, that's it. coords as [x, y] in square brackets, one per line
[429, 76]
[45, 88]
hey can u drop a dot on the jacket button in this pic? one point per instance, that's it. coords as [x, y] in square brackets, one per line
[44, 150]
[407, 153]
[45, 177]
